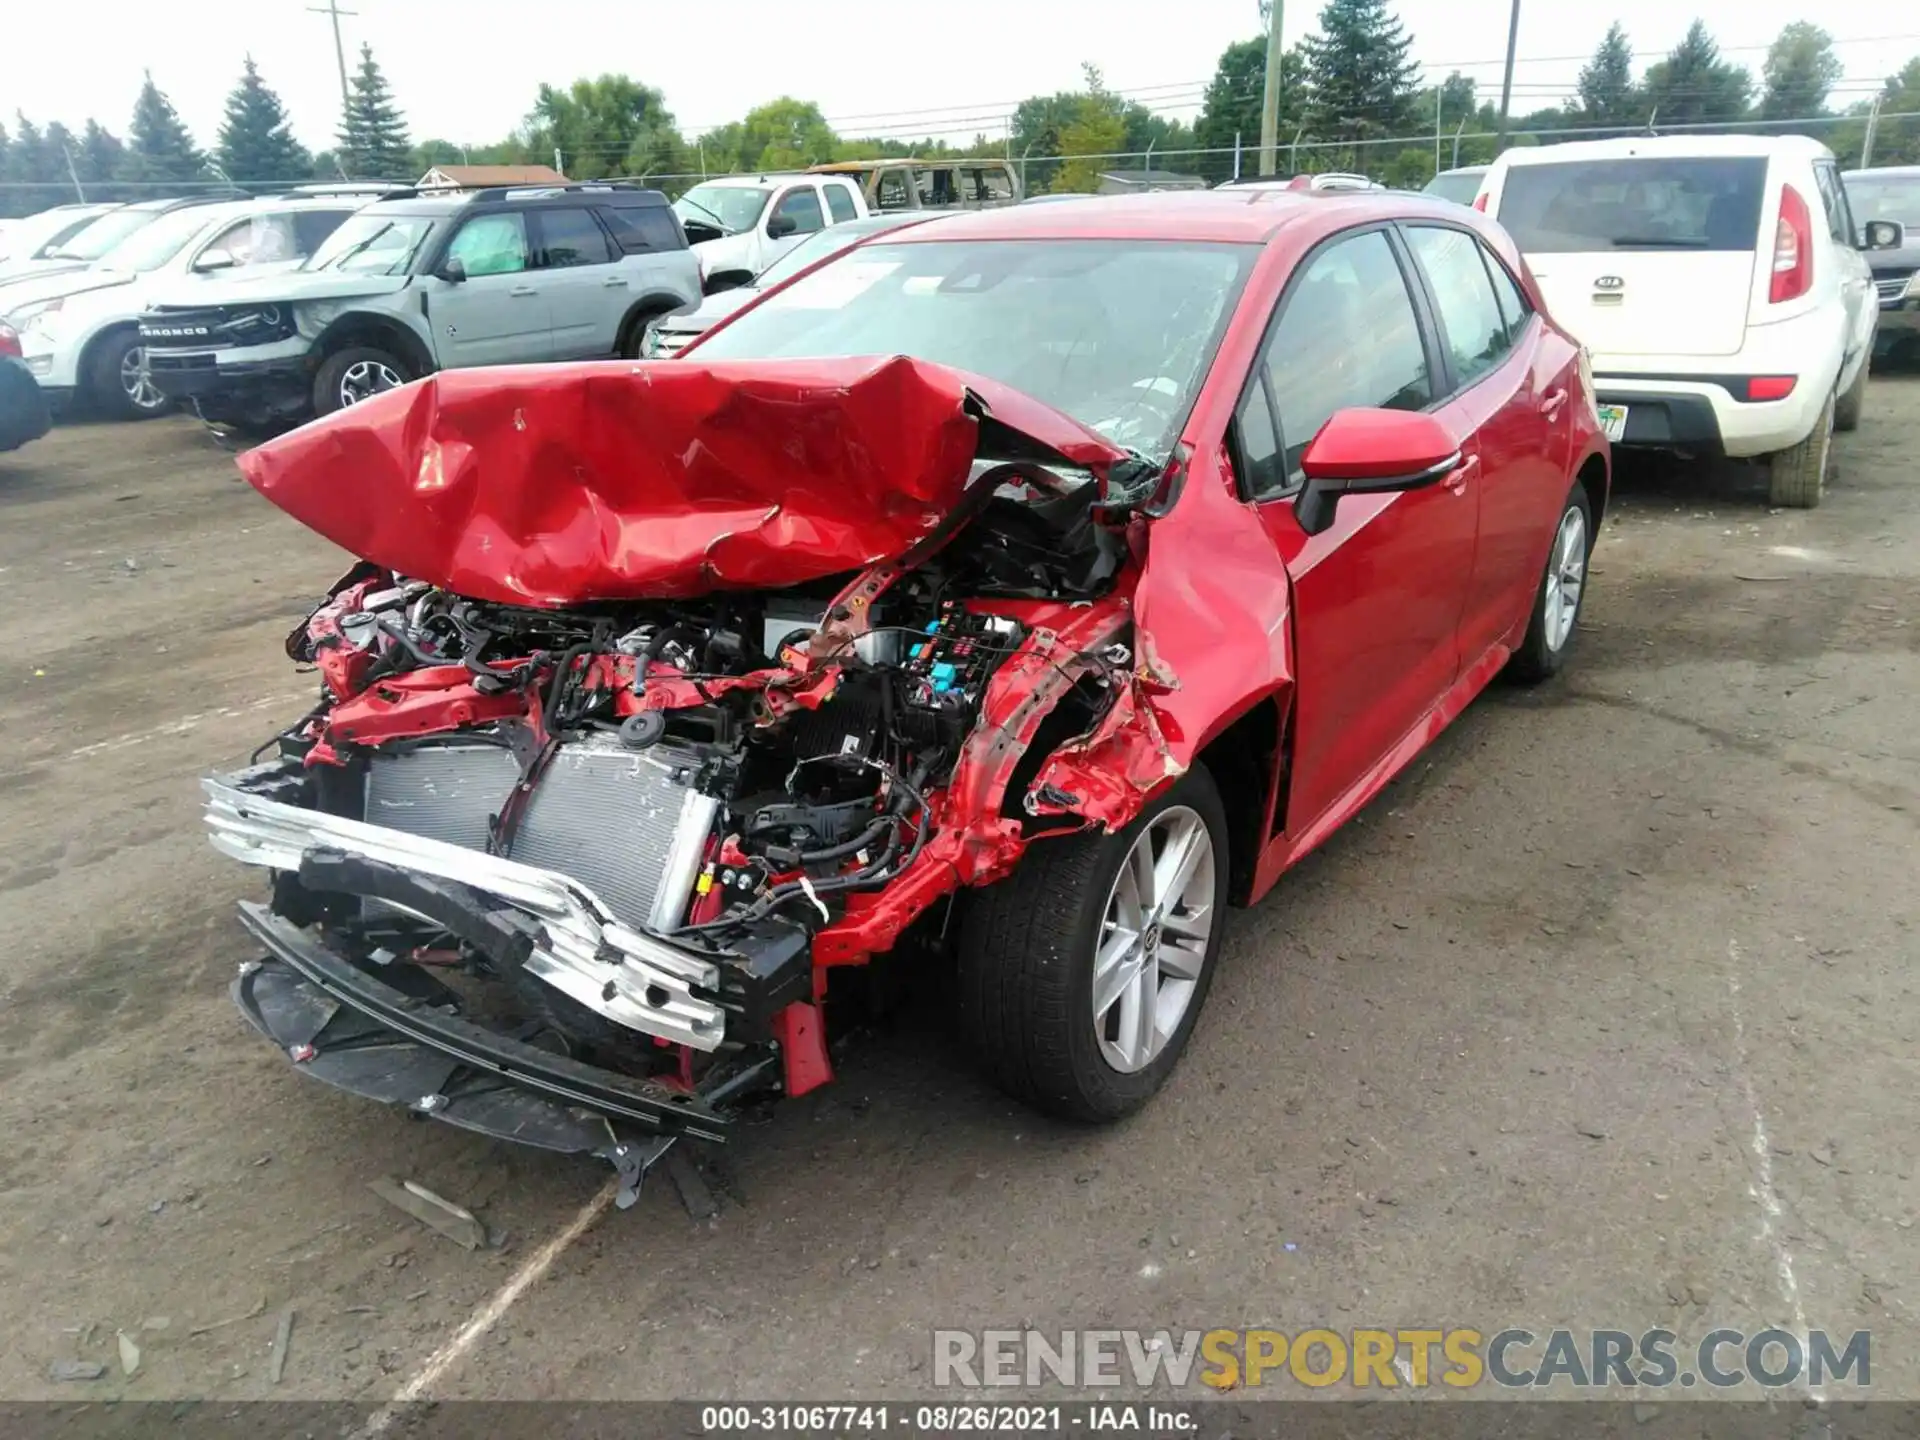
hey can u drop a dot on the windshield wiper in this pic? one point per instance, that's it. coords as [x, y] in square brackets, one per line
[725, 229]
[353, 250]
[1667, 241]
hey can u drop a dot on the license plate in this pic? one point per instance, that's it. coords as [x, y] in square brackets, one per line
[1613, 420]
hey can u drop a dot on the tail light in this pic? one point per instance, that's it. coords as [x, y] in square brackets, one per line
[1792, 249]
[1480, 202]
[9, 341]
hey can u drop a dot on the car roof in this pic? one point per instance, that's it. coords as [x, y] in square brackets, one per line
[180, 202]
[1892, 172]
[1677, 146]
[1243, 214]
[1464, 170]
[756, 182]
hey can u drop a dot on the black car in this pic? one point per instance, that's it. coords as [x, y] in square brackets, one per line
[23, 406]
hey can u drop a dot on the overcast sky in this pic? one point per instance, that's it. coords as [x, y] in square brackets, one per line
[466, 70]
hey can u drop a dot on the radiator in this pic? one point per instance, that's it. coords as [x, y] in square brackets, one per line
[618, 821]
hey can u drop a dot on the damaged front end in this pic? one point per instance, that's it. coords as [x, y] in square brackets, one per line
[586, 815]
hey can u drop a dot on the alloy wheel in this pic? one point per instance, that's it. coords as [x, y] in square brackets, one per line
[1153, 941]
[137, 381]
[1566, 577]
[364, 378]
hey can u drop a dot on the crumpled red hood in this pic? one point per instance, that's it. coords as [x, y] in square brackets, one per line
[559, 484]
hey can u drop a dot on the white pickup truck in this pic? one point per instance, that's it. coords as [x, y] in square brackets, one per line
[740, 224]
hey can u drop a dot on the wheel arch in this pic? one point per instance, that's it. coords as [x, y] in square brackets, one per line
[1247, 760]
[362, 327]
[1594, 478]
[649, 306]
[90, 350]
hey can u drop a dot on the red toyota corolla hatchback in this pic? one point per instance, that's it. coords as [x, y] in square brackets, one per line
[1054, 576]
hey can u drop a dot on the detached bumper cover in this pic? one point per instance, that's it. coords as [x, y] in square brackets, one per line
[350, 1029]
[577, 946]
[198, 376]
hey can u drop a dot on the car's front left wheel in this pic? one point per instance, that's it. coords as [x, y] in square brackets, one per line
[353, 374]
[1082, 974]
[118, 380]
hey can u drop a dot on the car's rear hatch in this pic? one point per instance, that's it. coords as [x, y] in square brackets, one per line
[1643, 255]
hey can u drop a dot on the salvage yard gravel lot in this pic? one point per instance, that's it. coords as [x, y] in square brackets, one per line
[1602, 1016]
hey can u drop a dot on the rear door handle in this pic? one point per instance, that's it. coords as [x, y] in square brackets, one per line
[522, 292]
[616, 282]
[1457, 478]
[1550, 406]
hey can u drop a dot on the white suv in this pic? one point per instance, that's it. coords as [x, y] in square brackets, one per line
[738, 225]
[1718, 284]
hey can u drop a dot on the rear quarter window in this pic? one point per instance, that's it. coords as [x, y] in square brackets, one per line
[641, 229]
[1640, 203]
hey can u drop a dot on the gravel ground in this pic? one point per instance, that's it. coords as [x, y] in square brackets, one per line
[1601, 1016]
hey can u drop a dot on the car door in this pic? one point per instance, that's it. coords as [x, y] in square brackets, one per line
[794, 214]
[1377, 596]
[1856, 276]
[1506, 413]
[498, 314]
[586, 288]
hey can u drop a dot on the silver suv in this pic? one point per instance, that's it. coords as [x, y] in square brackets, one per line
[422, 281]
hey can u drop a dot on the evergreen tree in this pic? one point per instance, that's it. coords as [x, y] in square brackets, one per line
[1607, 92]
[161, 150]
[1800, 71]
[1359, 74]
[100, 158]
[256, 139]
[373, 133]
[32, 185]
[1694, 85]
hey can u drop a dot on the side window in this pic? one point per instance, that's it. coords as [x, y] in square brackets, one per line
[1834, 201]
[310, 227]
[571, 237]
[993, 184]
[1476, 332]
[1263, 475]
[802, 206]
[639, 229]
[893, 192]
[1316, 358]
[235, 243]
[839, 202]
[491, 245]
[1514, 308]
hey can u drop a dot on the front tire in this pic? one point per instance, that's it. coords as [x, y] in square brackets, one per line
[353, 374]
[1563, 590]
[1082, 974]
[118, 382]
[1797, 478]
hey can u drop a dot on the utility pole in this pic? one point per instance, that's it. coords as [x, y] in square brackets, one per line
[332, 8]
[556, 161]
[1438, 92]
[1506, 84]
[1270, 96]
[74, 176]
[1866, 145]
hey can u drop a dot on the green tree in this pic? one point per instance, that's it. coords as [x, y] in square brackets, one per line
[783, 134]
[100, 158]
[1693, 85]
[1608, 95]
[373, 133]
[1896, 139]
[1230, 109]
[256, 138]
[610, 126]
[1360, 75]
[1092, 135]
[1800, 72]
[160, 149]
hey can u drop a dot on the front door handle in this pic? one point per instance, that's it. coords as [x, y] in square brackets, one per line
[523, 292]
[1457, 478]
[1550, 405]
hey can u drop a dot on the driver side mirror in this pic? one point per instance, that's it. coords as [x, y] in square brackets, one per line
[215, 260]
[453, 270]
[1371, 452]
[781, 226]
[1883, 235]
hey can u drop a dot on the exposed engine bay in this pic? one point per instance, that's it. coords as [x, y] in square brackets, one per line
[639, 834]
